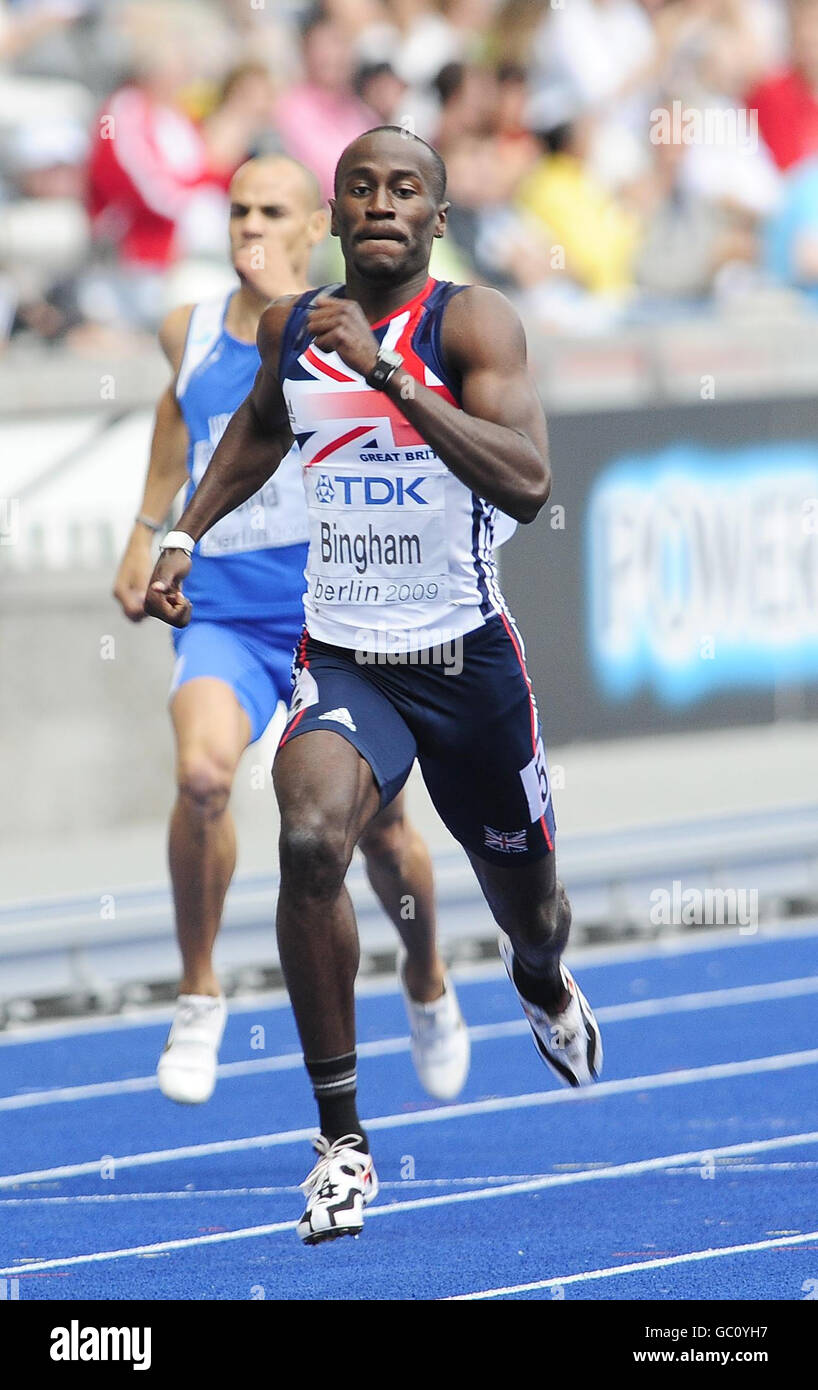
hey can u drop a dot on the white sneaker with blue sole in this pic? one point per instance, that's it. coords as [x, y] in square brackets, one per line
[570, 1042]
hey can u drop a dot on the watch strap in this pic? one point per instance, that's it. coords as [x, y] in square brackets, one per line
[383, 370]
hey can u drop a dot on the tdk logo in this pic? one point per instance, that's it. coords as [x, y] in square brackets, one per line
[372, 492]
[324, 490]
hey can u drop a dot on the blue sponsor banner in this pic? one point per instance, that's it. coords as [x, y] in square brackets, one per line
[702, 571]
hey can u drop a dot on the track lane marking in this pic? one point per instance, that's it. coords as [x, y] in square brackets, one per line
[400, 1185]
[484, 1032]
[586, 1175]
[715, 1252]
[493, 1105]
[681, 944]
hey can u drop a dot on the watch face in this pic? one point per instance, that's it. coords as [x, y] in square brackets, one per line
[386, 364]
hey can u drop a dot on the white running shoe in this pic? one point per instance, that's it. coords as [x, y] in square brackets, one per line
[340, 1185]
[187, 1067]
[441, 1050]
[570, 1042]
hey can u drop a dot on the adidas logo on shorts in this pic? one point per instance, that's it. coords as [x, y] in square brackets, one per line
[340, 716]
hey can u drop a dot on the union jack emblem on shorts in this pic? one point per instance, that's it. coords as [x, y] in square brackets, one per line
[510, 841]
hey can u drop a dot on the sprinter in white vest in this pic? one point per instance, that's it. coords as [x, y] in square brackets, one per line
[234, 661]
[417, 421]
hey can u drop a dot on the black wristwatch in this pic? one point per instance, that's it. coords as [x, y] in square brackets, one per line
[386, 364]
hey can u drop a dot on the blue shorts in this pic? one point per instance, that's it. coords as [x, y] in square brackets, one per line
[253, 658]
[470, 720]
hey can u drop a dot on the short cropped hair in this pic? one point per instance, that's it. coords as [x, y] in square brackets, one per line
[439, 168]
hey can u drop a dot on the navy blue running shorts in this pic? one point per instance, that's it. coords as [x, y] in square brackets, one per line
[469, 717]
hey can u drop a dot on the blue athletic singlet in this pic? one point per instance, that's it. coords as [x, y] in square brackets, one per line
[251, 563]
[398, 545]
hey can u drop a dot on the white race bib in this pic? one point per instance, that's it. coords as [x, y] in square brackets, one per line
[377, 539]
[274, 516]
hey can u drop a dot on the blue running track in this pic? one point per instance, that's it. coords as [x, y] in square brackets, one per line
[688, 1173]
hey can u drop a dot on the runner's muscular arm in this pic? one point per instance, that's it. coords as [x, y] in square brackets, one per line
[249, 452]
[166, 473]
[497, 444]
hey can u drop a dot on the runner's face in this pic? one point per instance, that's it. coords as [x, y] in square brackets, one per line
[385, 212]
[272, 227]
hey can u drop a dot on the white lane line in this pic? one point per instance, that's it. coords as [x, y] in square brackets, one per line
[611, 1272]
[134, 1084]
[620, 1170]
[484, 1032]
[142, 1160]
[264, 1001]
[160, 1248]
[597, 957]
[434, 1115]
[708, 999]
[727, 1169]
[401, 1185]
[102, 1198]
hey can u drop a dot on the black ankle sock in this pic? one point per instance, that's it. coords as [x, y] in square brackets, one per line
[546, 991]
[334, 1084]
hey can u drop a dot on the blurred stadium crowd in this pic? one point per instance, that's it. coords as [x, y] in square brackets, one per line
[609, 161]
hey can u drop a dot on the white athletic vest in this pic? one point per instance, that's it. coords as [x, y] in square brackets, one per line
[401, 552]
